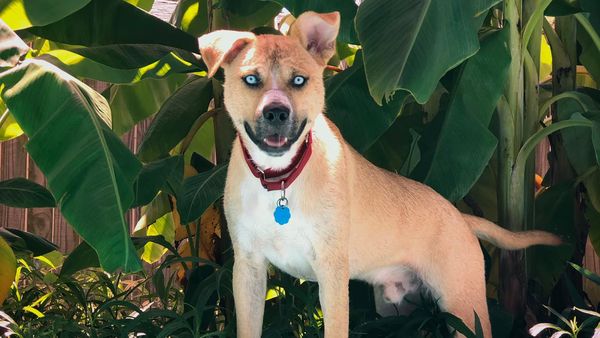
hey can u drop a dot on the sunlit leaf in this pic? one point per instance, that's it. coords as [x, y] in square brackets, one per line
[8, 268]
[97, 25]
[80, 66]
[9, 128]
[191, 16]
[163, 226]
[143, 4]
[20, 14]
[11, 46]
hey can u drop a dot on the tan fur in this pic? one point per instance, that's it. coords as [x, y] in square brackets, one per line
[505, 239]
[350, 219]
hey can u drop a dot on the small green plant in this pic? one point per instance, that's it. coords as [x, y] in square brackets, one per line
[573, 328]
[587, 324]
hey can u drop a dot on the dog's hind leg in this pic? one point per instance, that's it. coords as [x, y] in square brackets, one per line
[459, 282]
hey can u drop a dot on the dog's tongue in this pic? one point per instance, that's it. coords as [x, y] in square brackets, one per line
[275, 140]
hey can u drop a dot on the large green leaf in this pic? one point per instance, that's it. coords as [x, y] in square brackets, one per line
[132, 103]
[199, 192]
[11, 46]
[20, 14]
[175, 118]
[458, 146]
[353, 110]
[89, 170]
[80, 66]
[130, 56]
[191, 16]
[347, 9]
[411, 44]
[554, 213]
[22, 193]
[109, 22]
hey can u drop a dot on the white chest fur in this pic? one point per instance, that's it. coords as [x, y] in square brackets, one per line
[289, 247]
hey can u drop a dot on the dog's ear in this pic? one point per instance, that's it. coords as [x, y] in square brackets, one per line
[221, 47]
[317, 33]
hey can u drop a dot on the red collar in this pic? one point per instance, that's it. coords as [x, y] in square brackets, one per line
[280, 179]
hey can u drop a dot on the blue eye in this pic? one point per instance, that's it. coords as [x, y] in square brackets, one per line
[298, 81]
[251, 80]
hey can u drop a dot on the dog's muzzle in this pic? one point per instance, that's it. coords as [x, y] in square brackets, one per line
[275, 132]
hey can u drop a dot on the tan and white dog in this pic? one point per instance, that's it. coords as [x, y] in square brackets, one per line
[349, 218]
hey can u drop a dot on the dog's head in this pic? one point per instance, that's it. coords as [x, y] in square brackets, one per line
[274, 84]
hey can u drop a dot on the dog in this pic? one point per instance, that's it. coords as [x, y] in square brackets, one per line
[299, 197]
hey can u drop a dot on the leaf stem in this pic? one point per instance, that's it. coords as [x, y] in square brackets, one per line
[533, 21]
[566, 95]
[532, 142]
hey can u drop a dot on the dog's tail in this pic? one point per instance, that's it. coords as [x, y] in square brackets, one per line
[506, 239]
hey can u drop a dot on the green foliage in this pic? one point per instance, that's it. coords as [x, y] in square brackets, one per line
[22, 193]
[360, 119]
[175, 118]
[459, 145]
[199, 192]
[426, 88]
[71, 142]
[428, 43]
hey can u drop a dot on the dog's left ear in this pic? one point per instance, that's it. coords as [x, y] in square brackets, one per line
[317, 33]
[221, 47]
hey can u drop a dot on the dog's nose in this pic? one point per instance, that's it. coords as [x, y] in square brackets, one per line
[276, 113]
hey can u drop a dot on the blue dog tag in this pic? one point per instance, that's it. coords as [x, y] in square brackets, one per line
[282, 214]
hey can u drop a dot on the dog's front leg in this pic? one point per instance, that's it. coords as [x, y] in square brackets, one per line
[249, 289]
[333, 276]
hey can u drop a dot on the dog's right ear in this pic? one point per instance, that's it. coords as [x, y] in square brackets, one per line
[221, 47]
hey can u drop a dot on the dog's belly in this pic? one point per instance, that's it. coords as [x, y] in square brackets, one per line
[287, 246]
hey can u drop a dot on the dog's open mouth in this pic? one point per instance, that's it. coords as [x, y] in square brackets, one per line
[275, 141]
[275, 144]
